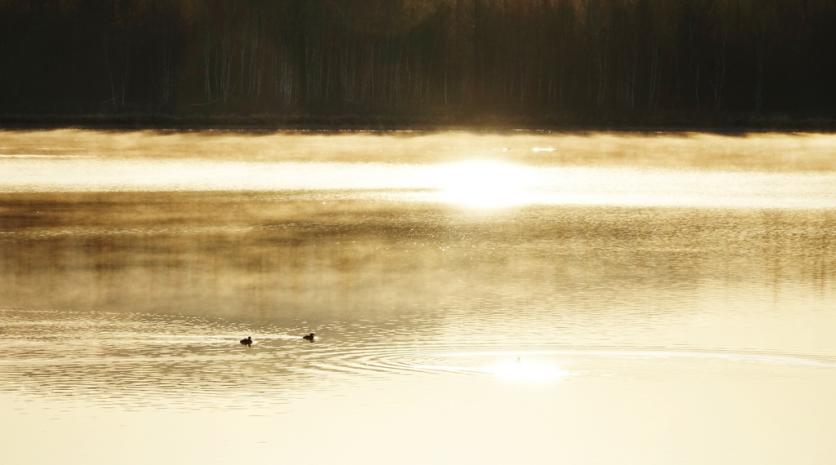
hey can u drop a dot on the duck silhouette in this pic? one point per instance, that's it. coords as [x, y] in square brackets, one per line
[309, 337]
[247, 341]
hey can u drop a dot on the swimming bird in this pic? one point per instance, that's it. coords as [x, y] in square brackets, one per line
[308, 337]
[247, 341]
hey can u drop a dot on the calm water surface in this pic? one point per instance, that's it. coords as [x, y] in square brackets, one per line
[478, 298]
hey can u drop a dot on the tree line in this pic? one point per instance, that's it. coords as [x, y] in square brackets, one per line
[414, 58]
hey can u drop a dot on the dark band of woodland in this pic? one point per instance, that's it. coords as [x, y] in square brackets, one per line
[546, 61]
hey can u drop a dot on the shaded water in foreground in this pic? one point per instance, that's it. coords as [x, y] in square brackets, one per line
[479, 299]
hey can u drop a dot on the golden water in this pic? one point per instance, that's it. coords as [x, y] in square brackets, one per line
[478, 298]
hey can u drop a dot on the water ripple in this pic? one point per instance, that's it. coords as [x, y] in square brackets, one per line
[145, 359]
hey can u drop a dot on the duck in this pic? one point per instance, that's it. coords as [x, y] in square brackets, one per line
[247, 341]
[309, 337]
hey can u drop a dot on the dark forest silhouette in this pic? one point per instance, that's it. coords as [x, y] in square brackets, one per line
[546, 60]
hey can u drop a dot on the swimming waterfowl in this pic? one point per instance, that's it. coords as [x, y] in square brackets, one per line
[308, 337]
[247, 341]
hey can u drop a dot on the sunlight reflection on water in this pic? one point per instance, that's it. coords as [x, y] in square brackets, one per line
[473, 184]
[192, 362]
[517, 296]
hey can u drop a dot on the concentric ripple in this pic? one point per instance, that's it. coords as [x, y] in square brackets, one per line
[126, 358]
[437, 357]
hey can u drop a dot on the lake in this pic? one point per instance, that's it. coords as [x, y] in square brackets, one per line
[484, 298]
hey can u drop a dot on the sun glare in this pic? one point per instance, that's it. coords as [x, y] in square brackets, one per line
[485, 184]
[526, 371]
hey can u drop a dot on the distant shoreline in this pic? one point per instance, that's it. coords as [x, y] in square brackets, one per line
[721, 124]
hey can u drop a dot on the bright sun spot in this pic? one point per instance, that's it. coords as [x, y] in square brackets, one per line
[485, 184]
[526, 371]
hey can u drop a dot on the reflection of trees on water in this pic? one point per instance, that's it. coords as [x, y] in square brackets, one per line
[174, 268]
[225, 254]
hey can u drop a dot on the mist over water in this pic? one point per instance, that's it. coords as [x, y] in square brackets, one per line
[480, 298]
